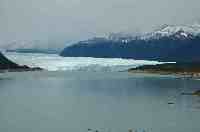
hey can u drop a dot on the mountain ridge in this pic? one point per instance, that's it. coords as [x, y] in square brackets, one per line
[160, 45]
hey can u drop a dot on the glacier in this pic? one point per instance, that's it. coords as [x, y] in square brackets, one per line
[54, 62]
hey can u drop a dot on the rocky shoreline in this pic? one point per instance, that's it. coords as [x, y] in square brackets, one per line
[185, 70]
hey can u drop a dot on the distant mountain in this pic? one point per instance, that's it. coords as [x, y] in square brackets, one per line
[6, 64]
[34, 51]
[34, 46]
[169, 43]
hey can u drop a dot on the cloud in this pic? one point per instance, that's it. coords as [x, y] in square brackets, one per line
[63, 20]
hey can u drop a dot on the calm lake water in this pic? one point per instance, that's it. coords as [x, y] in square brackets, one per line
[108, 101]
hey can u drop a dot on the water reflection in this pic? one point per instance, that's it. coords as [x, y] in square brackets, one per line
[115, 102]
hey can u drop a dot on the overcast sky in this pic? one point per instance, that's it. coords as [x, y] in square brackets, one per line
[58, 21]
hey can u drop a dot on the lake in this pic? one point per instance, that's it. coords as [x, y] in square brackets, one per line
[73, 101]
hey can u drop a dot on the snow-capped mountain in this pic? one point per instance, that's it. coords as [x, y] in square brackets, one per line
[174, 31]
[170, 31]
[177, 31]
[160, 45]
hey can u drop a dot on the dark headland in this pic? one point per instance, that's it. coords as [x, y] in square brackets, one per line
[8, 65]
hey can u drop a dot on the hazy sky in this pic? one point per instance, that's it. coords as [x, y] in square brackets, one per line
[58, 21]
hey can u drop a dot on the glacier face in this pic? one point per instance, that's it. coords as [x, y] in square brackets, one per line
[53, 62]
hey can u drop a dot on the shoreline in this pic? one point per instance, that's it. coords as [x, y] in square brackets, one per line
[180, 74]
[21, 69]
[182, 70]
